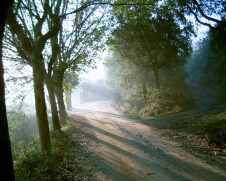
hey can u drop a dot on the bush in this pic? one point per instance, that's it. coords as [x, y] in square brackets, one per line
[159, 102]
[166, 101]
[32, 165]
[215, 131]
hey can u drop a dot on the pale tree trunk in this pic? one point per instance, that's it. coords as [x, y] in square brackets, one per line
[53, 105]
[40, 105]
[6, 163]
[68, 98]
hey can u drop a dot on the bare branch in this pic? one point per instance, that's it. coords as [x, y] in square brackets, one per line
[102, 3]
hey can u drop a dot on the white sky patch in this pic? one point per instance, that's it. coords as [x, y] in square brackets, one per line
[95, 74]
[99, 72]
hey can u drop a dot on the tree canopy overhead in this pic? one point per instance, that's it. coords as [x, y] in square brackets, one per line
[153, 39]
[51, 37]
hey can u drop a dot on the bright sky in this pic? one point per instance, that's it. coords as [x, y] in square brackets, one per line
[95, 74]
[99, 73]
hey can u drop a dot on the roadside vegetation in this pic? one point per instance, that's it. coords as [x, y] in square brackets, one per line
[64, 162]
[201, 132]
[135, 95]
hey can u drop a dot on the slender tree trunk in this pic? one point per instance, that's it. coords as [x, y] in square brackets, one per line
[59, 91]
[62, 109]
[38, 78]
[68, 97]
[156, 76]
[6, 162]
[53, 104]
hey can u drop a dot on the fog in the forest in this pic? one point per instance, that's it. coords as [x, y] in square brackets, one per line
[21, 105]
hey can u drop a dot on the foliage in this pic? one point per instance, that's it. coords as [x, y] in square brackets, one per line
[167, 101]
[211, 14]
[57, 35]
[31, 165]
[71, 80]
[152, 40]
[215, 131]
[207, 69]
[134, 92]
[21, 127]
[205, 12]
[160, 102]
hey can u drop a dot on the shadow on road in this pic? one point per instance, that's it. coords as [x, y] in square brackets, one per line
[163, 165]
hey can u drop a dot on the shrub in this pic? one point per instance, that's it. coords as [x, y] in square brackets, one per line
[159, 102]
[166, 101]
[216, 132]
[32, 165]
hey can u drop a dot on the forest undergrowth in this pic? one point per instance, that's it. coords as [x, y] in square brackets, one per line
[62, 163]
[202, 132]
[159, 102]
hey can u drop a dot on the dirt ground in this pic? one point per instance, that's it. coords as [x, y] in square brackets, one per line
[124, 149]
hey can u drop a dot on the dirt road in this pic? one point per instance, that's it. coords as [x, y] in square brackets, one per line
[124, 149]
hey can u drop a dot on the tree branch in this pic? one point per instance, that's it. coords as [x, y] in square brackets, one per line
[198, 20]
[203, 14]
[103, 3]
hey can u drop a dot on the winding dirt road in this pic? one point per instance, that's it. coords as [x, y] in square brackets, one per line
[124, 149]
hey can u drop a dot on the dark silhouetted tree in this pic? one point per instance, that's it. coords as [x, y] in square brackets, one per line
[6, 163]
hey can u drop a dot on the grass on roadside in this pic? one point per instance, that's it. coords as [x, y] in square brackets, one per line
[210, 125]
[32, 165]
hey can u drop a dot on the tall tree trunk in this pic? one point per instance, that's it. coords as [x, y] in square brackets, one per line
[40, 105]
[53, 104]
[60, 98]
[6, 163]
[156, 76]
[68, 97]
[59, 91]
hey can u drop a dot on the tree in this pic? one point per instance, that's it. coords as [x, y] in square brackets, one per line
[6, 164]
[133, 91]
[30, 46]
[71, 80]
[78, 46]
[207, 69]
[211, 14]
[67, 44]
[153, 41]
[128, 81]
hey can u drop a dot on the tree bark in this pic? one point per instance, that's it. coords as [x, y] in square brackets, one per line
[68, 97]
[156, 76]
[43, 125]
[60, 98]
[59, 91]
[53, 105]
[6, 163]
